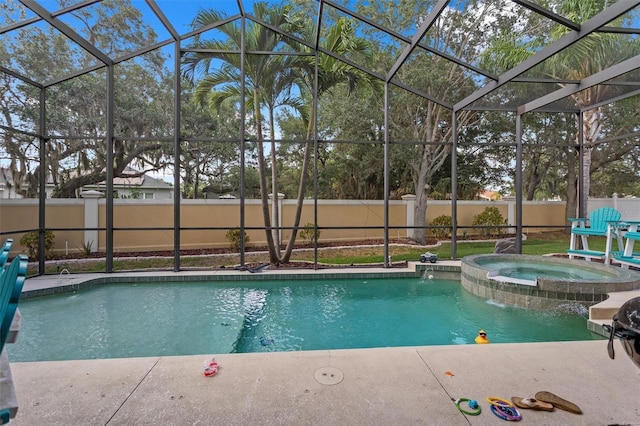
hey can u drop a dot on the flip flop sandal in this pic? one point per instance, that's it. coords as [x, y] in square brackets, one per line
[559, 402]
[531, 403]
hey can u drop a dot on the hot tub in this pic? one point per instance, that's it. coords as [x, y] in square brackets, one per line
[543, 282]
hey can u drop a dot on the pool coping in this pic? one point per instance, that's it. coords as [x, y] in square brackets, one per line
[383, 386]
[54, 284]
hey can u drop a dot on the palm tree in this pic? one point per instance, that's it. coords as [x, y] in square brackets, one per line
[341, 40]
[269, 80]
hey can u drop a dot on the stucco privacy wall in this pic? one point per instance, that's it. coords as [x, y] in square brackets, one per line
[205, 222]
[18, 216]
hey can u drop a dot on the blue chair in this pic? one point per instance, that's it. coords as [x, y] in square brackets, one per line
[629, 257]
[602, 222]
[11, 282]
[4, 252]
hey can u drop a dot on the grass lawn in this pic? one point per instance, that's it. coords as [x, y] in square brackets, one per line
[537, 244]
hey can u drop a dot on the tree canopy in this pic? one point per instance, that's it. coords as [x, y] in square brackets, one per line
[370, 100]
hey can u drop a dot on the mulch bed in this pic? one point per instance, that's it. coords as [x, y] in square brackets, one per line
[222, 250]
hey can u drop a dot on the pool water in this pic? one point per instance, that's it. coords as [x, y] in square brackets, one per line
[164, 319]
[530, 270]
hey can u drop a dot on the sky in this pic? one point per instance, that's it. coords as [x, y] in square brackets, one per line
[182, 12]
[179, 12]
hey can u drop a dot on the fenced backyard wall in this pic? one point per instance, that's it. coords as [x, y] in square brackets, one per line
[147, 225]
[629, 207]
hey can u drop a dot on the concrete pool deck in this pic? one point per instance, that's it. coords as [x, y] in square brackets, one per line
[385, 386]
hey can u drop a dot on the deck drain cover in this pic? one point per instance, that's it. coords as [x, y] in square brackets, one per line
[328, 375]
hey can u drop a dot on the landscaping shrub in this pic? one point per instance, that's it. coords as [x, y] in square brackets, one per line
[309, 233]
[87, 248]
[233, 236]
[441, 233]
[492, 219]
[31, 241]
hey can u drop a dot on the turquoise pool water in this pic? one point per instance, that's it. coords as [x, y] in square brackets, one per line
[132, 320]
[530, 270]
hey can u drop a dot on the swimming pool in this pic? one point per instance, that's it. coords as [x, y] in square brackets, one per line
[164, 319]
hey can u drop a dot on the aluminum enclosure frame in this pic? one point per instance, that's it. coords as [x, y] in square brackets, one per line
[577, 32]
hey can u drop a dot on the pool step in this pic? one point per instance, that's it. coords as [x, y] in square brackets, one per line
[605, 310]
[595, 326]
[602, 313]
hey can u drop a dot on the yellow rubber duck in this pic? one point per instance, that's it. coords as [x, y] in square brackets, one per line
[481, 338]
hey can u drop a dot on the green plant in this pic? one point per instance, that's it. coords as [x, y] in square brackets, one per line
[309, 233]
[442, 226]
[31, 241]
[135, 194]
[437, 195]
[233, 236]
[492, 221]
[86, 248]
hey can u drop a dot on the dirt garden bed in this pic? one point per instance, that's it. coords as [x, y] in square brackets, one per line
[222, 250]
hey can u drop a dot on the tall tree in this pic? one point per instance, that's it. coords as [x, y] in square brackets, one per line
[591, 55]
[76, 118]
[268, 80]
[342, 40]
[422, 121]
